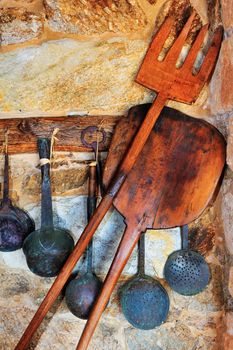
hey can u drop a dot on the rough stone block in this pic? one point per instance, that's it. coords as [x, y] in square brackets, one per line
[228, 342]
[69, 75]
[221, 85]
[227, 14]
[227, 212]
[230, 143]
[229, 322]
[90, 17]
[230, 287]
[30, 5]
[19, 25]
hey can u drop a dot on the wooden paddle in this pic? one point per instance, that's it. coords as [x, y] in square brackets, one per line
[178, 84]
[171, 183]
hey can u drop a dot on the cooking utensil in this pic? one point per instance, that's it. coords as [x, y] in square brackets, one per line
[184, 79]
[144, 301]
[83, 290]
[15, 223]
[47, 249]
[168, 184]
[185, 270]
[90, 130]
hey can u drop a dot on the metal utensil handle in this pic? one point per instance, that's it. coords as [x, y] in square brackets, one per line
[6, 180]
[185, 236]
[99, 175]
[141, 255]
[46, 197]
[91, 206]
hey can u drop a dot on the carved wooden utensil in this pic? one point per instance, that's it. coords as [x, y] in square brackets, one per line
[170, 185]
[177, 84]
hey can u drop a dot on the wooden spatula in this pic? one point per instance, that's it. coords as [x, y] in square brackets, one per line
[184, 87]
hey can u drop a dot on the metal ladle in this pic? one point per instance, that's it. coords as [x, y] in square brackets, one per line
[186, 270]
[144, 301]
[15, 223]
[82, 292]
[47, 249]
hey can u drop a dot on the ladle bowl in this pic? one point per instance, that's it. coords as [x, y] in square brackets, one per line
[15, 223]
[81, 294]
[47, 249]
[82, 291]
[186, 270]
[144, 301]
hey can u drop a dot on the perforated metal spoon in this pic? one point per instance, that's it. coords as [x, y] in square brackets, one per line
[186, 270]
[144, 301]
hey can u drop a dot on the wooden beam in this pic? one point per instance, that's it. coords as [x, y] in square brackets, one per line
[23, 133]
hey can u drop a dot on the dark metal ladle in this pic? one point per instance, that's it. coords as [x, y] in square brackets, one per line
[47, 249]
[82, 292]
[185, 270]
[15, 223]
[144, 301]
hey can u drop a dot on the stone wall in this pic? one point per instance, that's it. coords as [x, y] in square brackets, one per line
[80, 56]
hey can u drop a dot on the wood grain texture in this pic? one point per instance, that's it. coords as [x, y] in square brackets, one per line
[179, 84]
[177, 171]
[24, 132]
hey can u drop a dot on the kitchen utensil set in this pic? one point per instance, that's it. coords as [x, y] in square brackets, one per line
[162, 171]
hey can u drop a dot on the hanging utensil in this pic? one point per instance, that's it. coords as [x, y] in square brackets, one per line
[144, 301]
[82, 291]
[185, 270]
[100, 138]
[47, 249]
[15, 223]
[168, 184]
[181, 79]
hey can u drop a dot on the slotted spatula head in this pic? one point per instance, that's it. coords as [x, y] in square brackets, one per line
[179, 84]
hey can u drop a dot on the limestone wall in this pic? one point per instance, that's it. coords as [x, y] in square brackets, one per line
[80, 56]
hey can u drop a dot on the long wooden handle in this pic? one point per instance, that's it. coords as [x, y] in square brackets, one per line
[127, 164]
[128, 242]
